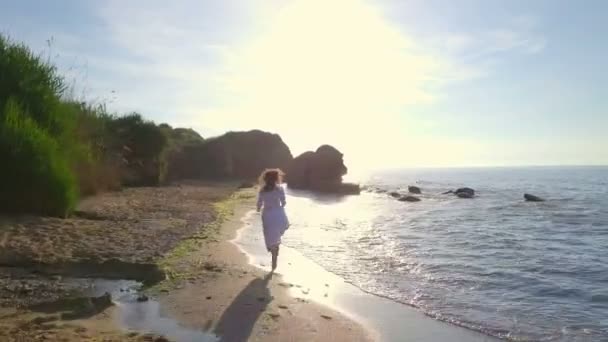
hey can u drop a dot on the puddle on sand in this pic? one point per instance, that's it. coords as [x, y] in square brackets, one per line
[143, 316]
[146, 316]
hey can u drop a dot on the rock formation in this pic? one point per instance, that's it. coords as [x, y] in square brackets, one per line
[321, 170]
[235, 155]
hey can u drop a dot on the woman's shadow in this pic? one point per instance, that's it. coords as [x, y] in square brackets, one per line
[237, 321]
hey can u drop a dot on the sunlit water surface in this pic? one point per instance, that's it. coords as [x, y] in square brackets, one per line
[495, 263]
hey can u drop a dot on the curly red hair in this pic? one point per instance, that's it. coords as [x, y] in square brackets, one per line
[270, 179]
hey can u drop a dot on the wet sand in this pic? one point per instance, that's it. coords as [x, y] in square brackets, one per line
[217, 286]
[386, 319]
[241, 302]
[210, 292]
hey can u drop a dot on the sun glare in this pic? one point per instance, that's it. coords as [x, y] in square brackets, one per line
[325, 72]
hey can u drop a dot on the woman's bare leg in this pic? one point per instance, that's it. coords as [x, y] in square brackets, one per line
[275, 256]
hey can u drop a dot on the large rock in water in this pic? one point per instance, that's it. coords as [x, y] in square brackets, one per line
[321, 170]
[234, 155]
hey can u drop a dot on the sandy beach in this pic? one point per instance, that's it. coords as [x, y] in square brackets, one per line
[210, 291]
[205, 241]
[242, 302]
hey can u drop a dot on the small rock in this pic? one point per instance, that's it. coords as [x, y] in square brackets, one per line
[42, 320]
[409, 199]
[395, 194]
[532, 198]
[465, 192]
[142, 298]
[102, 302]
[208, 297]
[326, 316]
[274, 315]
[464, 195]
[414, 190]
[282, 306]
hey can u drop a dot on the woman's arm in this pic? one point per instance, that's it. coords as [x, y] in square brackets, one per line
[259, 204]
[282, 197]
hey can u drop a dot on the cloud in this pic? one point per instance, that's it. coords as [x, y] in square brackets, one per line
[475, 53]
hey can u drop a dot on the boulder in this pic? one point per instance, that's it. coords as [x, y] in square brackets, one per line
[409, 198]
[532, 198]
[321, 170]
[234, 155]
[414, 190]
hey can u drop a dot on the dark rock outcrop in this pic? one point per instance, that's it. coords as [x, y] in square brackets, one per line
[414, 189]
[465, 192]
[409, 199]
[321, 170]
[234, 155]
[532, 198]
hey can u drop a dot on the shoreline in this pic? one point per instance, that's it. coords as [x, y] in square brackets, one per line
[240, 302]
[210, 292]
[216, 288]
[385, 319]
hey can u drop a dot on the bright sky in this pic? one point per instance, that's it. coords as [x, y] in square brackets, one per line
[388, 82]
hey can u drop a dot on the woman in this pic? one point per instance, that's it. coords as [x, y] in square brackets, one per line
[271, 201]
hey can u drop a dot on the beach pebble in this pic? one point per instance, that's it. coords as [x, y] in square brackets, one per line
[326, 316]
[282, 306]
[208, 297]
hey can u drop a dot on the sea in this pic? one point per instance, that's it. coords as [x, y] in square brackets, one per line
[523, 271]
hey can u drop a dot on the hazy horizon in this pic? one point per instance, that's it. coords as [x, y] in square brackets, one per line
[390, 83]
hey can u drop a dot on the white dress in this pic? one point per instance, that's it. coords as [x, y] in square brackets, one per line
[274, 218]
